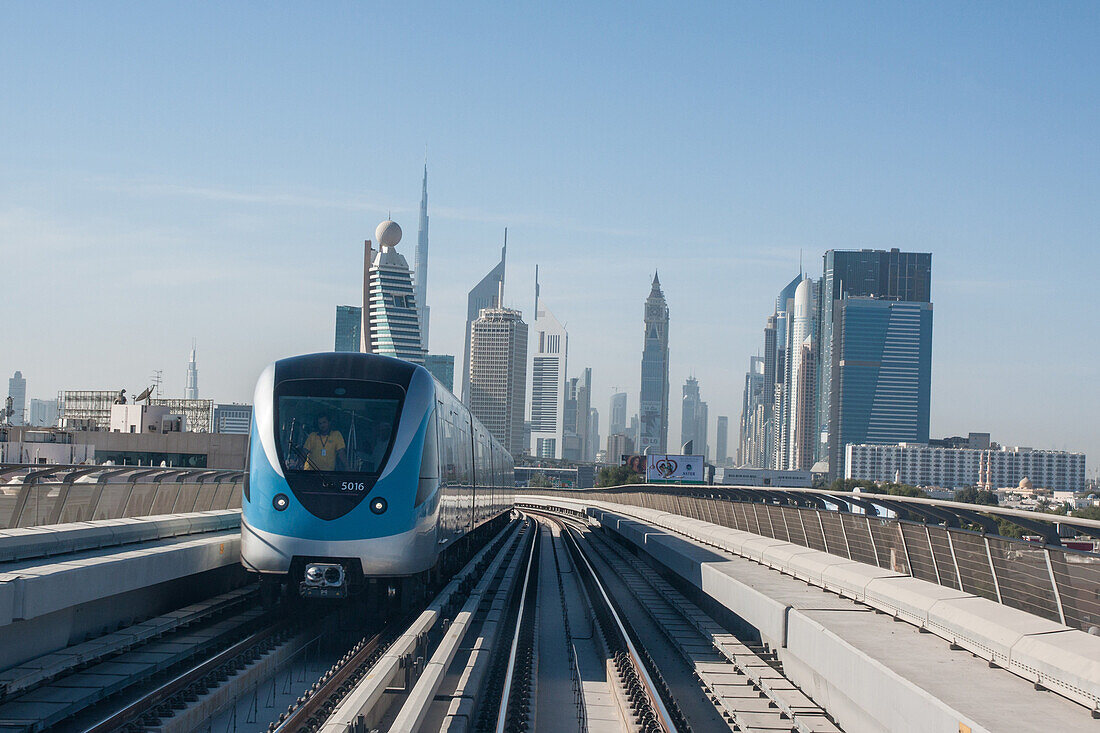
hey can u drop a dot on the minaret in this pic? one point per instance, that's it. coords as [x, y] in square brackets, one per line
[192, 390]
[420, 271]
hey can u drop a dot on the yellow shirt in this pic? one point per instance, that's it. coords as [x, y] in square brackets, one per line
[321, 450]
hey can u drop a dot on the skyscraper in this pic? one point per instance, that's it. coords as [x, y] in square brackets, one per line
[420, 273]
[191, 392]
[693, 418]
[584, 413]
[578, 405]
[442, 367]
[17, 391]
[484, 295]
[801, 411]
[617, 422]
[892, 275]
[882, 371]
[593, 433]
[498, 374]
[349, 322]
[804, 409]
[548, 364]
[654, 392]
[721, 447]
[43, 413]
[780, 427]
[754, 444]
[393, 327]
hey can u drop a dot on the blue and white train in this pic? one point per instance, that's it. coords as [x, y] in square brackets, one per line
[363, 467]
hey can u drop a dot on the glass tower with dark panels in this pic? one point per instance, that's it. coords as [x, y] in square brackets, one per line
[882, 374]
[889, 274]
[349, 322]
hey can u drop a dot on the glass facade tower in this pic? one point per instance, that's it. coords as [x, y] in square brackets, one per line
[882, 374]
[889, 274]
[349, 322]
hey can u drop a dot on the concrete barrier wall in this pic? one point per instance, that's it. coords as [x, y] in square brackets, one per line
[1052, 655]
[76, 581]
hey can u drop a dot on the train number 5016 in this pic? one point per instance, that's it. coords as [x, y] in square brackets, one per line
[352, 486]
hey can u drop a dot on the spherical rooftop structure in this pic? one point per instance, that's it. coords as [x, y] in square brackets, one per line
[1025, 483]
[388, 233]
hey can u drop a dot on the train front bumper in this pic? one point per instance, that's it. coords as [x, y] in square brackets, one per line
[406, 553]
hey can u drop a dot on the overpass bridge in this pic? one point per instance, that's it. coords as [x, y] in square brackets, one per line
[123, 607]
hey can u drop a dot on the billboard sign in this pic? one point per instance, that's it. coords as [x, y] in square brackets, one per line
[675, 469]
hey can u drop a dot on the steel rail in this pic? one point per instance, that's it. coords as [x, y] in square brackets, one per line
[162, 694]
[665, 718]
[316, 700]
[502, 713]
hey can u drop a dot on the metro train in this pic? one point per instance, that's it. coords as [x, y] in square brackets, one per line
[364, 471]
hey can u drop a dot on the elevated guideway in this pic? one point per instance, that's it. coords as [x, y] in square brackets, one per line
[702, 607]
[826, 587]
[38, 495]
[60, 584]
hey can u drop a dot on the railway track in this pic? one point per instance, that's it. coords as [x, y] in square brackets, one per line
[550, 626]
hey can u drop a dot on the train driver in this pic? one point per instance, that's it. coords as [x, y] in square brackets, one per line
[325, 448]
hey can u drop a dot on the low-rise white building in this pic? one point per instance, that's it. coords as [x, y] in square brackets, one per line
[763, 477]
[919, 464]
[42, 447]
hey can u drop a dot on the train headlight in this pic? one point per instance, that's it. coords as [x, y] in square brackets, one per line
[324, 575]
[280, 502]
[378, 505]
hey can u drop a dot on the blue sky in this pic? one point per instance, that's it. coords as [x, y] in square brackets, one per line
[210, 170]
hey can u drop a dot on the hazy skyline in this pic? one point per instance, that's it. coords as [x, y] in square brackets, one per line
[211, 171]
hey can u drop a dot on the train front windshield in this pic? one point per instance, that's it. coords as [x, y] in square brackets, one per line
[336, 426]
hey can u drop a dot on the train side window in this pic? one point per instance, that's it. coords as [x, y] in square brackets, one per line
[449, 469]
[429, 461]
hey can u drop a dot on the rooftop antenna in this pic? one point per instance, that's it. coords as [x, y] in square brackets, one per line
[536, 291]
[158, 377]
[503, 260]
[145, 395]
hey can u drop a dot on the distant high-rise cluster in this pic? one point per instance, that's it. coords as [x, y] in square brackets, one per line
[562, 423]
[578, 414]
[653, 408]
[847, 359]
[693, 421]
